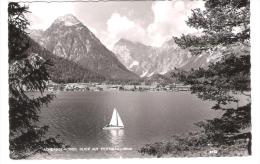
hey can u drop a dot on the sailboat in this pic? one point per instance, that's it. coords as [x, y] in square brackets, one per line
[115, 122]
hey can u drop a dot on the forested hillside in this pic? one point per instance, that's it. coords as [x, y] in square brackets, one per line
[62, 70]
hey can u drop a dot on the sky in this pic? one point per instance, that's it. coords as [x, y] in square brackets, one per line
[149, 22]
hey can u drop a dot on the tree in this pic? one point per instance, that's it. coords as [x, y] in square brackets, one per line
[27, 72]
[225, 29]
[225, 26]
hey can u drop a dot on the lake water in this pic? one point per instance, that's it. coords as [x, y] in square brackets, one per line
[78, 117]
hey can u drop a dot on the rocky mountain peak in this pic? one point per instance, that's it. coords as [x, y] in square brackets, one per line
[67, 20]
[70, 39]
[124, 41]
[147, 61]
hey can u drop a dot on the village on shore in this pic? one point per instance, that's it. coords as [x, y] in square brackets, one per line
[94, 86]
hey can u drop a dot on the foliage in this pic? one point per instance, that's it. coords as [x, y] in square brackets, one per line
[225, 28]
[224, 25]
[26, 71]
[221, 80]
[193, 145]
[223, 22]
[226, 129]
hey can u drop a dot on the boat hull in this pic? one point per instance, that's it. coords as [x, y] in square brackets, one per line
[112, 127]
[115, 122]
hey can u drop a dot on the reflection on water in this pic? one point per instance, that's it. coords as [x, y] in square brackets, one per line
[148, 117]
[115, 136]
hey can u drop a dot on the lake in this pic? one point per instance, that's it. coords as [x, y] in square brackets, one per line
[78, 117]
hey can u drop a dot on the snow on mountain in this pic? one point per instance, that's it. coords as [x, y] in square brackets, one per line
[144, 74]
[152, 60]
[135, 63]
[67, 37]
[137, 57]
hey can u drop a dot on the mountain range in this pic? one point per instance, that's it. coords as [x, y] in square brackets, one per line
[147, 61]
[68, 38]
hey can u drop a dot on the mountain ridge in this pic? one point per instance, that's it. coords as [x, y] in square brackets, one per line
[68, 38]
[62, 70]
[147, 60]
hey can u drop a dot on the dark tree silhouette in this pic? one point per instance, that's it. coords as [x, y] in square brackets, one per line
[225, 24]
[225, 28]
[27, 72]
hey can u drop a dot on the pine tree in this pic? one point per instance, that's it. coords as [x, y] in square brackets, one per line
[27, 72]
[225, 27]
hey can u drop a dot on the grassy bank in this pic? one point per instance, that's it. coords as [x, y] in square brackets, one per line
[194, 145]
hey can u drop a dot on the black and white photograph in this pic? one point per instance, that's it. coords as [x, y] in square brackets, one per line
[129, 79]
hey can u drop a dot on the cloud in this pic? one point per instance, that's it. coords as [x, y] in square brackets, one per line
[169, 19]
[43, 14]
[119, 24]
[121, 27]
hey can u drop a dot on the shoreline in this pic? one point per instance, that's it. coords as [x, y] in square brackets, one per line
[117, 87]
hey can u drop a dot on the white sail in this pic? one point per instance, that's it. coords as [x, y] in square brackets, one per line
[113, 120]
[119, 121]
